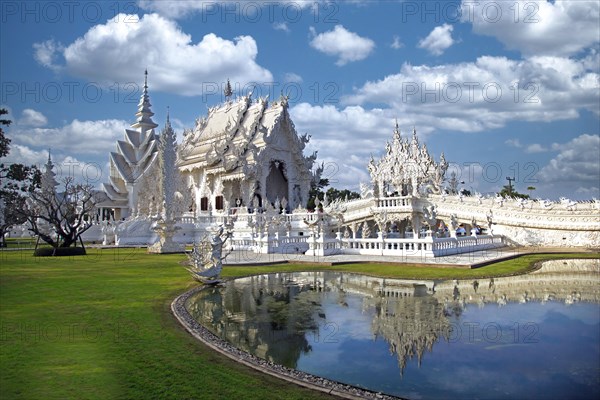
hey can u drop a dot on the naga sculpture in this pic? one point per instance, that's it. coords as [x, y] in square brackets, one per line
[206, 259]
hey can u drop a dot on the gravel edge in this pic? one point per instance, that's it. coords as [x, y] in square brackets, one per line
[288, 374]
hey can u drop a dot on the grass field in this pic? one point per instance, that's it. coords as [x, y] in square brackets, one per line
[100, 327]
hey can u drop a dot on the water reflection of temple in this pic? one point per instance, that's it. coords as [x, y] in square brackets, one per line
[273, 316]
[266, 315]
[567, 281]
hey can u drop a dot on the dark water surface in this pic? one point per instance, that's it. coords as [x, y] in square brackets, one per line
[534, 336]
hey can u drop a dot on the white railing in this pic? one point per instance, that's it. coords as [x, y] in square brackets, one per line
[273, 244]
[391, 247]
[394, 202]
[423, 247]
[465, 244]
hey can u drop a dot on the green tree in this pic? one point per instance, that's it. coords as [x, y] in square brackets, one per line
[316, 190]
[332, 194]
[506, 192]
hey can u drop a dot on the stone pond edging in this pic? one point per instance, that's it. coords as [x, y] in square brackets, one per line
[288, 374]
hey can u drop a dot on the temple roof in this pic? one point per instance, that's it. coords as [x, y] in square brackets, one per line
[135, 154]
[230, 131]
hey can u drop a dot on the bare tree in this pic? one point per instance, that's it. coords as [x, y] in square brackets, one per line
[59, 218]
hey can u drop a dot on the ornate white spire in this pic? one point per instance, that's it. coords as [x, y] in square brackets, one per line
[168, 170]
[397, 135]
[144, 113]
[405, 166]
[48, 181]
[133, 156]
[228, 91]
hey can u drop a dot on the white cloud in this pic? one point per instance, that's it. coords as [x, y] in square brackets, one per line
[513, 143]
[529, 148]
[438, 40]
[281, 26]
[535, 148]
[396, 43]
[575, 169]
[64, 165]
[25, 155]
[578, 160]
[31, 117]
[537, 27]
[487, 93]
[121, 49]
[292, 77]
[46, 53]
[341, 43]
[353, 131]
[76, 137]
[225, 11]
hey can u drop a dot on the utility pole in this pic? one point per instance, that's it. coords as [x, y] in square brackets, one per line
[510, 180]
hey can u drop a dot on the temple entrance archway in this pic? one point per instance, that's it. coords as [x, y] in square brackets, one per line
[277, 182]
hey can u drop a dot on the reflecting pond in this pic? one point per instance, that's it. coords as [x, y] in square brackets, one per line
[532, 336]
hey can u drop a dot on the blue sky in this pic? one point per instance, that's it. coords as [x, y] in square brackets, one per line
[503, 88]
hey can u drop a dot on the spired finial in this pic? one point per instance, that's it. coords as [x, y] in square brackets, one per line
[397, 130]
[168, 110]
[146, 79]
[228, 92]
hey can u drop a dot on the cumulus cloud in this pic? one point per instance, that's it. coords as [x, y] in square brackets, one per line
[77, 137]
[225, 10]
[514, 143]
[79, 148]
[559, 27]
[438, 40]
[345, 45]
[64, 165]
[489, 92]
[120, 50]
[47, 53]
[352, 131]
[25, 155]
[536, 148]
[575, 169]
[292, 77]
[281, 26]
[577, 160]
[31, 117]
[396, 43]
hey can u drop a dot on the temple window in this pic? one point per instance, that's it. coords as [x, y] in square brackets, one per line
[219, 202]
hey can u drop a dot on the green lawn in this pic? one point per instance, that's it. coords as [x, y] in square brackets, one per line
[100, 327]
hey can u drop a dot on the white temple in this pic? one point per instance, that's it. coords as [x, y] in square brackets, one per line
[133, 157]
[243, 166]
[246, 153]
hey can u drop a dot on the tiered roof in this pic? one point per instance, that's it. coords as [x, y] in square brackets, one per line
[232, 135]
[134, 155]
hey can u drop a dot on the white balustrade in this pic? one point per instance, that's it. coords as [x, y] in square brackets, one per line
[394, 202]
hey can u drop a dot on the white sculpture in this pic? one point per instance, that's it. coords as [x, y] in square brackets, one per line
[168, 177]
[206, 258]
[407, 167]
